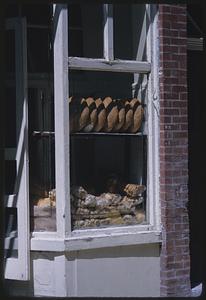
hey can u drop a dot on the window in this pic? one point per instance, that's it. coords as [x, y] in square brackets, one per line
[108, 173]
[96, 185]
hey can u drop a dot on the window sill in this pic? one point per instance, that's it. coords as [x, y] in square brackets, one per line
[97, 240]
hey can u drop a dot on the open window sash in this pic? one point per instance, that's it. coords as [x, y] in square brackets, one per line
[17, 241]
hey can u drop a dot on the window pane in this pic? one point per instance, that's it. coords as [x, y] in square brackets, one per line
[10, 119]
[130, 31]
[108, 181]
[100, 84]
[36, 13]
[10, 51]
[10, 176]
[107, 156]
[85, 30]
[42, 158]
[39, 52]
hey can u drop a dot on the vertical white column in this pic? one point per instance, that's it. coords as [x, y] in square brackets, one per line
[22, 182]
[108, 32]
[19, 268]
[153, 208]
[61, 90]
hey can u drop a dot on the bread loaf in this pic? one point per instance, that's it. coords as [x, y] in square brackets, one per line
[121, 116]
[84, 114]
[128, 117]
[92, 114]
[101, 115]
[112, 114]
[74, 113]
[138, 113]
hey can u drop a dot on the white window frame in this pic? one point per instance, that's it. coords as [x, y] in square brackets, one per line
[65, 238]
[19, 268]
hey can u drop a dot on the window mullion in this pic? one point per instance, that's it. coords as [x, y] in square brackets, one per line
[108, 32]
[61, 119]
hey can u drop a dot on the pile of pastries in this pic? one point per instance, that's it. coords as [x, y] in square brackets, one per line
[105, 115]
[107, 209]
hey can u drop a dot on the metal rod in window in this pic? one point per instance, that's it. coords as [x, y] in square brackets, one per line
[108, 32]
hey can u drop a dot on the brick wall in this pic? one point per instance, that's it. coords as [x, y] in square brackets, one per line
[175, 259]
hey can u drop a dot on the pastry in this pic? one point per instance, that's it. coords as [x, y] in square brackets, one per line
[121, 116]
[101, 115]
[112, 114]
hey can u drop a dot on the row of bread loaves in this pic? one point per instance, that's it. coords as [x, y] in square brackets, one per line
[108, 115]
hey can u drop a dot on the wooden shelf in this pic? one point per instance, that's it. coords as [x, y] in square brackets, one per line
[87, 134]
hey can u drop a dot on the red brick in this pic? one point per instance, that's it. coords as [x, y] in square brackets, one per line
[173, 150]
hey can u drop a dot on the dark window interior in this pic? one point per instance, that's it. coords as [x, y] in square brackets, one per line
[10, 119]
[10, 176]
[95, 159]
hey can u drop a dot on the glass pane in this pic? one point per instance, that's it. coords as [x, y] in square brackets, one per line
[195, 17]
[85, 30]
[42, 158]
[36, 13]
[130, 28]
[10, 176]
[107, 155]
[10, 51]
[100, 84]
[40, 59]
[10, 119]
[108, 181]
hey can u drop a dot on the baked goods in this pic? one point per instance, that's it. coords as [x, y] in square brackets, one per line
[84, 114]
[138, 113]
[101, 115]
[74, 113]
[112, 114]
[128, 117]
[108, 115]
[92, 114]
[121, 116]
[134, 190]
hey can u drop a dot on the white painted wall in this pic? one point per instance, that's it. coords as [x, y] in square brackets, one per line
[127, 271]
[131, 271]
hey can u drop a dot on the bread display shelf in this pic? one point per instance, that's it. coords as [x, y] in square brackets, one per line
[107, 134]
[52, 134]
[96, 115]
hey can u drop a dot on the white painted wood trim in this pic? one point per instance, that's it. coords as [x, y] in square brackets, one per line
[19, 268]
[47, 244]
[153, 209]
[108, 31]
[142, 44]
[61, 96]
[12, 269]
[23, 192]
[111, 240]
[96, 241]
[8, 239]
[9, 200]
[127, 66]
[116, 230]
